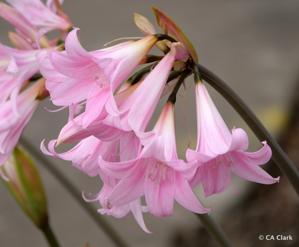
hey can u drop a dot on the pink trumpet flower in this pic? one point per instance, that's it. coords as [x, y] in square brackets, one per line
[12, 125]
[157, 173]
[76, 75]
[40, 16]
[84, 156]
[16, 67]
[220, 151]
[135, 107]
[23, 27]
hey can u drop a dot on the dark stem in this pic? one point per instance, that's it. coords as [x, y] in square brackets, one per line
[50, 236]
[153, 58]
[89, 209]
[172, 96]
[214, 229]
[137, 76]
[173, 75]
[279, 157]
[162, 36]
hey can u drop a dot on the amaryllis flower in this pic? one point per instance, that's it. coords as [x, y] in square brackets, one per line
[157, 173]
[23, 27]
[16, 67]
[11, 124]
[75, 74]
[135, 107]
[84, 156]
[220, 151]
[40, 16]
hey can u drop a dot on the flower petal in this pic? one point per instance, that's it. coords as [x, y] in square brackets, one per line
[159, 190]
[136, 209]
[214, 137]
[250, 171]
[129, 188]
[214, 176]
[239, 140]
[259, 157]
[185, 196]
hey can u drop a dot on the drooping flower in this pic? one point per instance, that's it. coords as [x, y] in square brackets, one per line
[16, 67]
[135, 107]
[23, 27]
[157, 173]
[220, 151]
[40, 16]
[11, 124]
[84, 156]
[74, 75]
[121, 142]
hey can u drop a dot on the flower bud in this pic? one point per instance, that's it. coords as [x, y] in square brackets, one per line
[144, 24]
[170, 27]
[24, 183]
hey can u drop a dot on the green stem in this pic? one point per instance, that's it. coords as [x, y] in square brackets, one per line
[214, 229]
[279, 157]
[50, 236]
[89, 209]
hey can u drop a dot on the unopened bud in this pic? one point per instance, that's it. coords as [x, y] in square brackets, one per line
[24, 183]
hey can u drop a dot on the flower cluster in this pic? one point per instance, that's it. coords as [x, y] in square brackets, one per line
[19, 86]
[112, 94]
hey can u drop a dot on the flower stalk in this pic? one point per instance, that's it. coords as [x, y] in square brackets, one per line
[50, 236]
[214, 229]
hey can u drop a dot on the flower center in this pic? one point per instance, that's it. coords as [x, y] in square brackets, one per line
[158, 172]
[224, 159]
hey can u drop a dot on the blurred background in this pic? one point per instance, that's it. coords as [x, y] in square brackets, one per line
[254, 46]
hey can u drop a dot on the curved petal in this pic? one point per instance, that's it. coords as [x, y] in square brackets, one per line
[259, 157]
[239, 140]
[250, 171]
[73, 46]
[185, 196]
[136, 209]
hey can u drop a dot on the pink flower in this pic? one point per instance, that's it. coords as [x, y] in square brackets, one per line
[76, 75]
[220, 151]
[16, 67]
[135, 107]
[12, 125]
[40, 16]
[84, 156]
[23, 27]
[157, 173]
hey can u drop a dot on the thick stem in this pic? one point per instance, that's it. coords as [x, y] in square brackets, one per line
[279, 157]
[214, 229]
[98, 219]
[50, 236]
